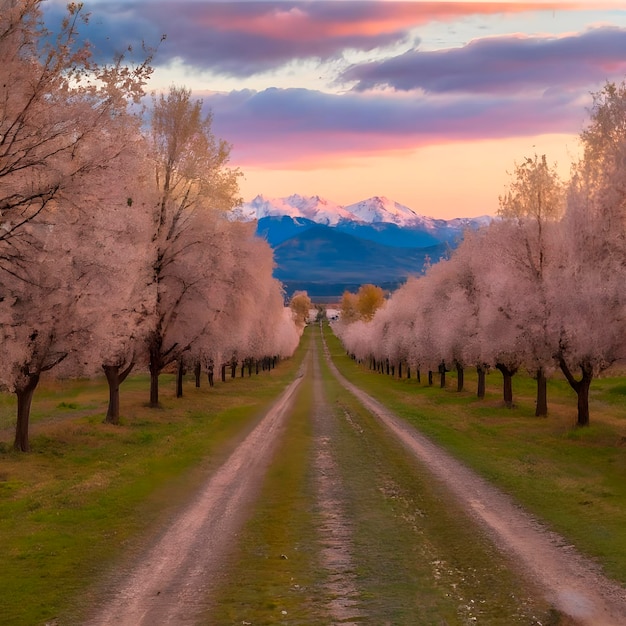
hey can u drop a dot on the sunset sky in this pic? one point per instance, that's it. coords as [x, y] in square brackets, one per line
[427, 103]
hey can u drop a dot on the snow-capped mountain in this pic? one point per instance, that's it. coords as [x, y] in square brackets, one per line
[376, 210]
[325, 248]
[380, 209]
[311, 208]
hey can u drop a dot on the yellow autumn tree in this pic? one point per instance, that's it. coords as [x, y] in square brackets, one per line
[369, 299]
[361, 305]
[300, 304]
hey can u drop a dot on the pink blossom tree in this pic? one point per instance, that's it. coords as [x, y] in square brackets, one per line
[113, 247]
[532, 206]
[39, 327]
[65, 127]
[588, 291]
[194, 187]
[56, 103]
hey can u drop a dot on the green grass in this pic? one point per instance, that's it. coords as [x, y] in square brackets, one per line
[90, 493]
[571, 477]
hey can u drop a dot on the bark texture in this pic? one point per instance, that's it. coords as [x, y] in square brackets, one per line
[24, 395]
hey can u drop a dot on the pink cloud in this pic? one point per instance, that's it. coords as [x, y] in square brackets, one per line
[294, 128]
[242, 38]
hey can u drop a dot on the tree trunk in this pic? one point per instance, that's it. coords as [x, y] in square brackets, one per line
[180, 372]
[482, 376]
[24, 400]
[399, 369]
[408, 371]
[233, 369]
[224, 373]
[155, 366]
[460, 377]
[154, 386]
[197, 372]
[507, 384]
[114, 379]
[430, 378]
[581, 387]
[541, 409]
[442, 375]
[583, 401]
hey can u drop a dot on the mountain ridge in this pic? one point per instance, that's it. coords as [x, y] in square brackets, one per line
[374, 210]
[325, 261]
[325, 248]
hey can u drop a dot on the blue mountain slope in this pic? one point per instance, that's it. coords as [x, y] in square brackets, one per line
[280, 228]
[322, 256]
[389, 234]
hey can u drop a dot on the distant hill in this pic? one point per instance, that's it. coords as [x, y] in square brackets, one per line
[325, 262]
[325, 248]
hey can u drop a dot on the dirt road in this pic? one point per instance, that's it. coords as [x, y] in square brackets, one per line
[174, 581]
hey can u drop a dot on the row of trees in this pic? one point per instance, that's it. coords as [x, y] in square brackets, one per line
[541, 288]
[115, 243]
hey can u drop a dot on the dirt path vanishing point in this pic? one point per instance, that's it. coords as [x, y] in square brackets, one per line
[572, 583]
[170, 584]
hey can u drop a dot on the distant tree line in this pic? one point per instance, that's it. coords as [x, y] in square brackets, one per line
[541, 288]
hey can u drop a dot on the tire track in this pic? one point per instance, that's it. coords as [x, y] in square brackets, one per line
[171, 582]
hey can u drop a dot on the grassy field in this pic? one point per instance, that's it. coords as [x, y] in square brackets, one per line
[88, 491]
[571, 477]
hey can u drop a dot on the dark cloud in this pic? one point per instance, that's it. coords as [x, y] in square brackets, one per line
[243, 38]
[286, 126]
[502, 64]
[492, 88]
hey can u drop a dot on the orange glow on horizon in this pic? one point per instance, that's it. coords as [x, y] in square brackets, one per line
[444, 181]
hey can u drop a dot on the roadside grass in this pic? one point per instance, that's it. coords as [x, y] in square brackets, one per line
[90, 494]
[419, 560]
[274, 576]
[571, 477]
